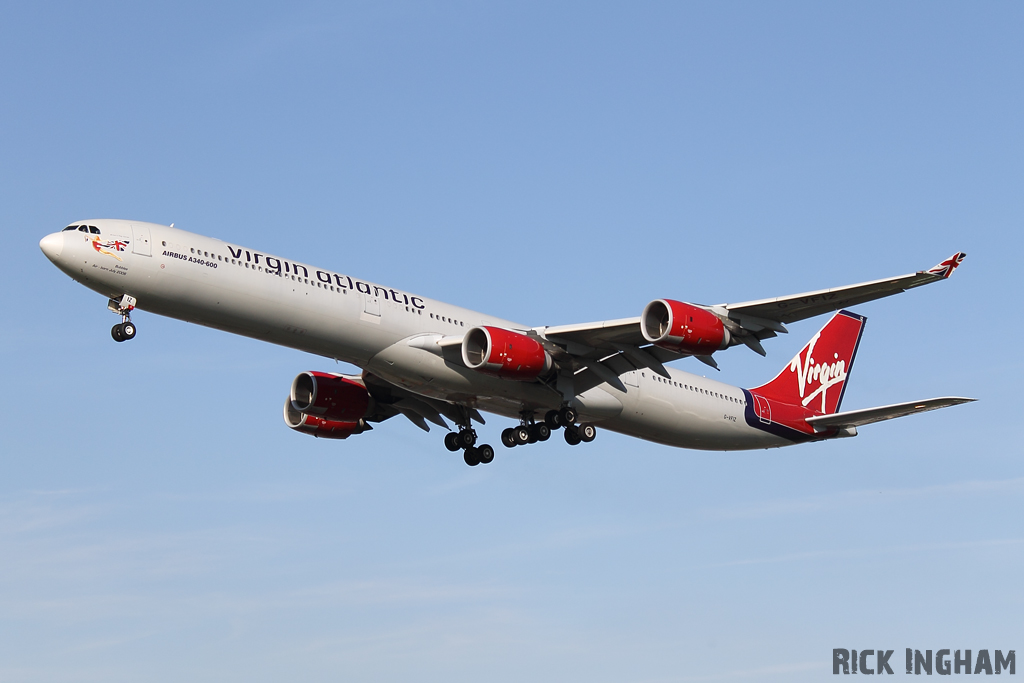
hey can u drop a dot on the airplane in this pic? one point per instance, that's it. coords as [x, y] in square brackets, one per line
[429, 360]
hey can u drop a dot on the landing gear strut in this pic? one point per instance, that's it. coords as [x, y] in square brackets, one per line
[124, 306]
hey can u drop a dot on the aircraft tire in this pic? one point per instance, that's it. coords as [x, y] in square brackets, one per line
[587, 432]
[117, 333]
[467, 438]
[472, 457]
[572, 437]
[507, 438]
[543, 431]
[552, 420]
[128, 330]
[521, 435]
[485, 454]
[567, 416]
[451, 441]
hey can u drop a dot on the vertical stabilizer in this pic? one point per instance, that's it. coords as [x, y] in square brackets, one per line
[816, 377]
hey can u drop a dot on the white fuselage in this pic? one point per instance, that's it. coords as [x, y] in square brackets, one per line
[389, 333]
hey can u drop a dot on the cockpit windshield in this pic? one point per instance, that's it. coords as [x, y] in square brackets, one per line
[92, 229]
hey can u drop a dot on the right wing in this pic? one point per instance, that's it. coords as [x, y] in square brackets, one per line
[788, 309]
[749, 322]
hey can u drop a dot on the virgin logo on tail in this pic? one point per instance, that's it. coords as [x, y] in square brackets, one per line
[820, 370]
[807, 371]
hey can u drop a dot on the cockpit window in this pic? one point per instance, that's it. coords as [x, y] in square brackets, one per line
[83, 228]
[94, 230]
[70, 227]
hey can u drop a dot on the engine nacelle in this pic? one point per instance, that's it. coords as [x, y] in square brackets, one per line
[505, 354]
[339, 398]
[683, 328]
[320, 427]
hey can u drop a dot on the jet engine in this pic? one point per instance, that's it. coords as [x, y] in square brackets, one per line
[319, 427]
[505, 354]
[328, 405]
[683, 328]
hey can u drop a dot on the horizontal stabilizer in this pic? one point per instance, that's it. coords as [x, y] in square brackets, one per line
[856, 418]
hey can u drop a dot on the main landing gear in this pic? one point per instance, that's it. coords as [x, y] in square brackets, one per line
[124, 306]
[531, 432]
[465, 439]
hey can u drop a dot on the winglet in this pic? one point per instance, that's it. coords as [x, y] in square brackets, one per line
[946, 268]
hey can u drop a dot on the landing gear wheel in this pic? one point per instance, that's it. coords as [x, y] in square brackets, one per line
[128, 330]
[587, 432]
[117, 332]
[521, 435]
[543, 431]
[485, 454]
[532, 429]
[508, 438]
[567, 416]
[451, 441]
[472, 457]
[572, 437]
[552, 420]
[467, 438]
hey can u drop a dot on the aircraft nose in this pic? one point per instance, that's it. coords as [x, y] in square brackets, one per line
[52, 245]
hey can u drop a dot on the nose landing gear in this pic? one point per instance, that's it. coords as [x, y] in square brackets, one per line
[124, 306]
[123, 331]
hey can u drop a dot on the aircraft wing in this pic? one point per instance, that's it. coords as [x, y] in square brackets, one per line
[787, 309]
[856, 418]
[600, 335]
[749, 322]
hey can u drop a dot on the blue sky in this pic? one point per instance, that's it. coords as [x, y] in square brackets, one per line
[549, 163]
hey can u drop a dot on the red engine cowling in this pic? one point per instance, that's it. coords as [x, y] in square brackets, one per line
[320, 427]
[331, 397]
[682, 327]
[505, 354]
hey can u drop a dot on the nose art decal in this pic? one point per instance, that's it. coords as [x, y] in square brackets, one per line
[109, 247]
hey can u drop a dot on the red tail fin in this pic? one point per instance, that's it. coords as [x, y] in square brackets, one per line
[816, 377]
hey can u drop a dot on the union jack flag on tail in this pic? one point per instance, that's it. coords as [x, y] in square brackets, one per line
[946, 268]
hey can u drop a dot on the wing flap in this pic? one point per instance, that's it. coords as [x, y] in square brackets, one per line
[857, 418]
